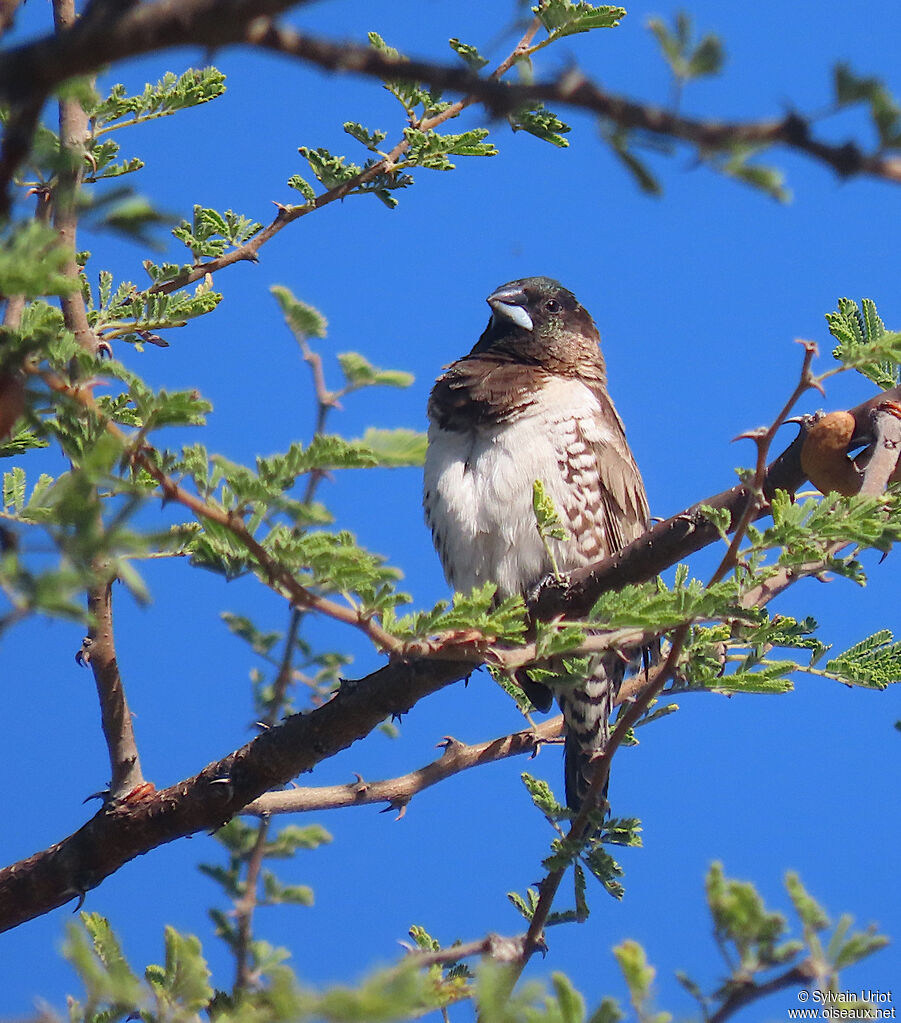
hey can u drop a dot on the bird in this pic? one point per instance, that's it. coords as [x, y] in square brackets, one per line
[528, 403]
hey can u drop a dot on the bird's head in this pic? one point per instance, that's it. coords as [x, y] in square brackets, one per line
[536, 320]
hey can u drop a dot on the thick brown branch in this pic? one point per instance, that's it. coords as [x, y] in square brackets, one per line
[121, 831]
[29, 72]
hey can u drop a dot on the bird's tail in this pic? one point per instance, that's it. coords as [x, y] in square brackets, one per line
[586, 707]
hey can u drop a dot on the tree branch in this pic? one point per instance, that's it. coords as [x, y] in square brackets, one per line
[680, 535]
[28, 73]
[796, 977]
[99, 650]
[115, 717]
[397, 792]
[119, 832]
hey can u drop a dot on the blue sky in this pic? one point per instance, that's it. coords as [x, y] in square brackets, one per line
[699, 297]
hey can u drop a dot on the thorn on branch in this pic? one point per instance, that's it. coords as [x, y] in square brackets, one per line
[447, 743]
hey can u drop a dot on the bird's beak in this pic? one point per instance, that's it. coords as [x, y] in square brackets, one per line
[510, 303]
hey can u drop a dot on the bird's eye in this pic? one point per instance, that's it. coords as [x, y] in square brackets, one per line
[552, 305]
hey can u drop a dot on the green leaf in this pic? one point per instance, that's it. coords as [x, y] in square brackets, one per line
[884, 109]
[431, 150]
[619, 139]
[570, 1002]
[863, 342]
[468, 54]
[542, 123]
[211, 233]
[475, 610]
[370, 139]
[767, 679]
[170, 94]
[566, 17]
[768, 180]
[544, 798]
[14, 489]
[605, 868]
[300, 184]
[32, 262]
[359, 372]
[637, 972]
[741, 918]
[96, 955]
[303, 320]
[687, 59]
[860, 945]
[812, 914]
[183, 981]
[395, 448]
[608, 1011]
[874, 662]
[527, 905]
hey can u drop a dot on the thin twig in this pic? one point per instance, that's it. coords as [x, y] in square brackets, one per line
[269, 35]
[397, 792]
[244, 909]
[73, 134]
[763, 439]
[100, 649]
[656, 680]
[269, 568]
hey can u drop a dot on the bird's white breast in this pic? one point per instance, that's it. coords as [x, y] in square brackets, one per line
[478, 486]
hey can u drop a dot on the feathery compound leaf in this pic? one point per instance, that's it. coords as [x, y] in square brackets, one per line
[768, 180]
[359, 372]
[812, 914]
[767, 679]
[565, 17]
[430, 150]
[686, 58]
[370, 139]
[303, 320]
[864, 343]
[474, 610]
[544, 799]
[395, 448]
[884, 109]
[526, 905]
[468, 54]
[171, 93]
[637, 972]
[211, 232]
[542, 123]
[619, 139]
[32, 261]
[874, 662]
[182, 984]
